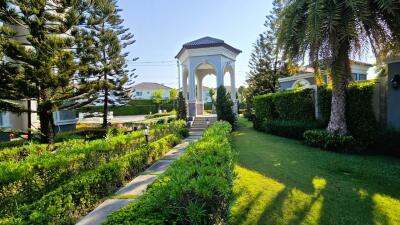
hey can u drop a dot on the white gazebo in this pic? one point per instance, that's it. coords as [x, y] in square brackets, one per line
[202, 57]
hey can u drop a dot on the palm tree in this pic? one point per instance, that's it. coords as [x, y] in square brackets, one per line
[335, 29]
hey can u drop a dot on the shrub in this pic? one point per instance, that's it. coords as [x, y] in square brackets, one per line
[26, 181]
[224, 106]
[294, 105]
[158, 115]
[10, 144]
[360, 117]
[196, 189]
[325, 140]
[290, 129]
[387, 141]
[77, 197]
[181, 114]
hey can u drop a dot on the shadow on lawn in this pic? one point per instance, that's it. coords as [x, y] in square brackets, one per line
[285, 186]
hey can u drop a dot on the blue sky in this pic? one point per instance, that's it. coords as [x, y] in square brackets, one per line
[162, 26]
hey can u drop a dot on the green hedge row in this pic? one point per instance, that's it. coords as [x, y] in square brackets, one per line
[134, 107]
[293, 105]
[75, 198]
[325, 140]
[290, 129]
[25, 181]
[196, 189]
[361, 121]
[287, 113]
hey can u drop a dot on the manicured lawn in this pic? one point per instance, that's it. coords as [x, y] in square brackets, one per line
[281, 181]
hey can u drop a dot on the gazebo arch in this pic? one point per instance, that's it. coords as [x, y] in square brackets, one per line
[203, 57]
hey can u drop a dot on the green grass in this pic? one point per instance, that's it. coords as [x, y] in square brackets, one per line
[281, 181]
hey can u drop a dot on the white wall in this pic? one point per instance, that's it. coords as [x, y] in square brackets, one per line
[146, 94]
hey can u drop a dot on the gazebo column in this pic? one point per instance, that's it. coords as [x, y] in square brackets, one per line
[233, 91]
[220, 77]
[185, 85]
[192, 93]
[200, 104]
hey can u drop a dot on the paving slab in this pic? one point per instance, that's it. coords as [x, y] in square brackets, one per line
[137, 186]
[159, 167]
[99, 215]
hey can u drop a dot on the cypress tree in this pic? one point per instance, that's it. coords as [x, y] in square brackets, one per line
[224, 106]
[36, 40]
[100, 49]
[182, 112]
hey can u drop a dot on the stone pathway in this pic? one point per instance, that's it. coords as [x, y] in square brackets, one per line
[134, 189]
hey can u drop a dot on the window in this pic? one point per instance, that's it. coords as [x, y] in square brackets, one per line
[359, 76]
[355, 76]
[139, 93]
[362, 76]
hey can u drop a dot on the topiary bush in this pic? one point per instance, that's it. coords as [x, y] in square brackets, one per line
[328, 141]
[290, 129]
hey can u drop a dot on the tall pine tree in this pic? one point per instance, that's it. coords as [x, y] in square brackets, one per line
[100, 50]
[266, 64]
[37, 46]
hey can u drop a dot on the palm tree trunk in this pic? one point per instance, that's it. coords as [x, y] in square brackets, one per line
[340, 77]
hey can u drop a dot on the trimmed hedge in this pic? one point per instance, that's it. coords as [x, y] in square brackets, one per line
[26, 181]
[333, 142]
[361, 121]
[293, 105]
[290, 129]
[196, 189]
[10, 144]
[134, 107]
[72, 200]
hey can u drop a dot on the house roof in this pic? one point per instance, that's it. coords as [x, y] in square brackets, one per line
[207, 42]
[151, 86]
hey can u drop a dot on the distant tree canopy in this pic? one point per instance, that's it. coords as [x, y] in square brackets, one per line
[266, 64]
[100, 46]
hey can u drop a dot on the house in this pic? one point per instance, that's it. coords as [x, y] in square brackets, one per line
[359, 71]
[64, 120]
[145, 90]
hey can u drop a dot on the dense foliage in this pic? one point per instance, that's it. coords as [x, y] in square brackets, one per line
[25, 180]
[100, 49]
[290, 129]
[224, 106]
[333, 31]
[360, 115]
[294, 105]
[196, 189]
[326, 140]
[287, 113]
[182, 110]
[45, 70]
[265, 62]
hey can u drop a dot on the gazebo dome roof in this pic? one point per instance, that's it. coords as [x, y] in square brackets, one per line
[207, 42]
